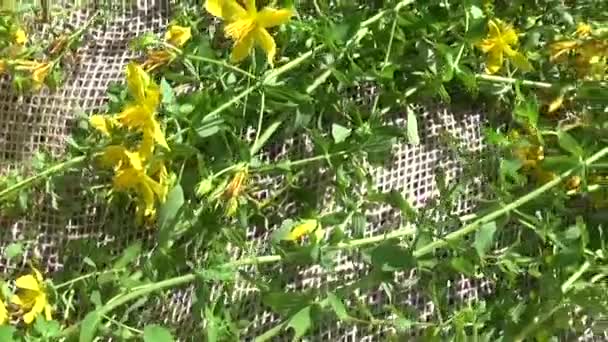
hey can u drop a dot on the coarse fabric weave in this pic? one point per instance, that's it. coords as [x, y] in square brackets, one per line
[43, 122]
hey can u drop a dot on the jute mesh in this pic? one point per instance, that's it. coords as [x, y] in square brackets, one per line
[43, 122]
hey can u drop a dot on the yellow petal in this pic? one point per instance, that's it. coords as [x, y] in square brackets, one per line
[494, 62]
[20, 37]
[40, 73]
[270, 17]
[267, 43]
[487, 45]
[493, 29]
[135, 116]
[127, 179]
[225, 9]
[159, 136]
[509, 35]
[302, 229]
[27, 282]
[48, 312]
[99, 123]
[178, 35]
[137, 81]
[3, 313]
[241, 49]
[28, 318]
[556, 104]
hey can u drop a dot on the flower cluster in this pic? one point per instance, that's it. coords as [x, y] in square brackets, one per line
[30, 299]
[588, 54]
[136, 168]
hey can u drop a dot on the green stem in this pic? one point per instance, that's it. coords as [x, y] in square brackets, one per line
[8, 192]
[222, 64]
[511, 206]
[266, 168]
[500, 79]
[574, 277]
[260, 121]
[254, 260]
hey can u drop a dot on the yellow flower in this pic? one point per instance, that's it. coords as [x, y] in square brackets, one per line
[31, 295]
[248, 25]
[140, 115]
[20, 36]
[146, 189]
[499, 43]
[130, 175]
[583, 30]
[303, 229]
[3, 313]
[178, 35]
[561, 49]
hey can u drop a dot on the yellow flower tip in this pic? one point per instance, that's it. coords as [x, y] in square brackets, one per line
[20, 36]
[583, 30]
[178, 35]
[303, 229]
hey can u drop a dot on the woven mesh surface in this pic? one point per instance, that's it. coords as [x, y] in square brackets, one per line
[43, 121]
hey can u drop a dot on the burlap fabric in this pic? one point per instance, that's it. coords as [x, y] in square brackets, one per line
[43, 121]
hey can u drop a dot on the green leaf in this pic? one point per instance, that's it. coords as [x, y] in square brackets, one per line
[264, 137]
[286, 303]
[337, 306]
[389, 256]
[396, 199]
[340, 133]
[171, 207]
[527, 111]
[166, 91]
[412, 127]
[300, 322]
[13, 250]
[129, 255]
[568, 143]
[463, 265]
[88, 327]
[7, 333]
[156, 333]
[270, 333]
[484, 237]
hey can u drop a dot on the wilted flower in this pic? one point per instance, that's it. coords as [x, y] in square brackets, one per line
[247, 26]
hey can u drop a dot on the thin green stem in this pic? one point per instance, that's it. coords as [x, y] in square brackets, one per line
[11, 190]
[509, 80]
[429, 248]
[82, 277]
[265, 168]
[222, 64]
[260, 120]
[254, 260]
[575, 276]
